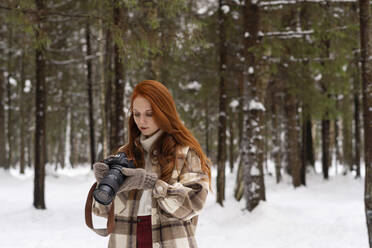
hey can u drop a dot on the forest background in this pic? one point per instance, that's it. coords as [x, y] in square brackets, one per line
[255, 81]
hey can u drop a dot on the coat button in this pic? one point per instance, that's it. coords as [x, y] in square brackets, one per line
[159, 188]
[156, 245]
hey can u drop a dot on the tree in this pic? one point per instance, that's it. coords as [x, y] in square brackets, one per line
[254, 92]
[119, 80]
[365, 45]
[90, 94]
[40, 98]
[2, 122]
[221, 153]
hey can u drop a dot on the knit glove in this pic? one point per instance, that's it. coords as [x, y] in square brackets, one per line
[138, 179]
[100, 170]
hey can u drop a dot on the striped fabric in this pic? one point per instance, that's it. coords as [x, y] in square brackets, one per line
[175, 206]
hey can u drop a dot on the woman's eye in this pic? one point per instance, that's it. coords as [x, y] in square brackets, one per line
[136, 115]
[149, 114]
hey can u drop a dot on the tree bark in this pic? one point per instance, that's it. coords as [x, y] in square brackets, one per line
[293, 134]
[254, 92]
[232, 137]
[206, 104]
[90, 96]
[337, 139]
[40, 127]
[326, 156]
[364, 12]
[221, 153]
[357, 136]
[119, 82]
[276, 130]
[307, 150]
[239, 184]
[103, 101]
[152, 32]
[9, 101]
[347, 138]
[2, 122]
[22, 117]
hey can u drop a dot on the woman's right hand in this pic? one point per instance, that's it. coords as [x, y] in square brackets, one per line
[100, 171]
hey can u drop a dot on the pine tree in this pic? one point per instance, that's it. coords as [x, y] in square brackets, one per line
[365, 45]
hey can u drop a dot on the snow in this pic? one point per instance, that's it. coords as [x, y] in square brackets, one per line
[12, 81]
[253, 104]
[234, 103]
[194, 85]
[225, 9]
[27, 88]
[318, 77]
[202, 10]
[325, 214]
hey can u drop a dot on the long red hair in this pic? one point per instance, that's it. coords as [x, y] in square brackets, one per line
[175, 133]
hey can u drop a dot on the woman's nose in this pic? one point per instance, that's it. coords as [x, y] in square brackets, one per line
[142, 120]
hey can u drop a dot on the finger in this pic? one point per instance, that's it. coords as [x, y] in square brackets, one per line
[100, 166]
[128, 172]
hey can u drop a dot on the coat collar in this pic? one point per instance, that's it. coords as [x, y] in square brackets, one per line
[148, 142]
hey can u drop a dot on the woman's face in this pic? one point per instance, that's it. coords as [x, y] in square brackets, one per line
[143, 116]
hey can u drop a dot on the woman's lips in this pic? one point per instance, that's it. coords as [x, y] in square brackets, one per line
[143, 128]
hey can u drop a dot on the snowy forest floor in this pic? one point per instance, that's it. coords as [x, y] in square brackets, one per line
[325, 214]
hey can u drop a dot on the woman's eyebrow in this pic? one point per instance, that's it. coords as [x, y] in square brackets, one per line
[147, 110]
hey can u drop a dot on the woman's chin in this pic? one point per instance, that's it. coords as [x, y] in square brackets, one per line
[148, 133]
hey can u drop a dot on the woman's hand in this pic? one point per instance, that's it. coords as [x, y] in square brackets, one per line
[100, 171]
[138, 179]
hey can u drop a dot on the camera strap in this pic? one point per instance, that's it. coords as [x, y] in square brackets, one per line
[88, 215]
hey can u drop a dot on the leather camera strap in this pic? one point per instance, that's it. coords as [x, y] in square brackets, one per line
[88, 215]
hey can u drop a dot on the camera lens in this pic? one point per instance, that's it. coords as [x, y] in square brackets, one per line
[104, 194]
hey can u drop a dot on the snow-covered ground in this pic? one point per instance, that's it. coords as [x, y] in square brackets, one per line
[325, 214]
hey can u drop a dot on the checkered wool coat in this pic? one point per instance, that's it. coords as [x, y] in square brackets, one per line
[175, 206]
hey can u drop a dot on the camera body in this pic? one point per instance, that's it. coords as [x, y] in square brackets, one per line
[108, 187]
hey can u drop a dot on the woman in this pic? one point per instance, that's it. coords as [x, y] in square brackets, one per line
[159, 202]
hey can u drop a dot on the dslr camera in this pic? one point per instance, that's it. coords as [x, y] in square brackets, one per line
[110, 184]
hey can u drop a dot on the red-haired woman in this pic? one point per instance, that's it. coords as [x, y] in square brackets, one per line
[159, 202]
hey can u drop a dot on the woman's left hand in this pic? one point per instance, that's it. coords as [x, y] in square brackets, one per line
[138, 179]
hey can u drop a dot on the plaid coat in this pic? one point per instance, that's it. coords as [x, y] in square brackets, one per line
[174, 209]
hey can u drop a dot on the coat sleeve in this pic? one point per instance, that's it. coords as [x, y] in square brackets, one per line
[185, 198]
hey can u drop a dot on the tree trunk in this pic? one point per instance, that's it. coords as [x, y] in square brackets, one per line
[103, 101]
[232, 137]
[119, 85]
[364, 11]
[2, 123]
[276, 130]
[326, 156]
[347, 138]
[40, 127]
[255, 88]
[293, 158]
[22, 117]
[152, 32]
[9, 103]
[306, 149]
[221, 153]
[206, 103]
[239, 184]
[90, 96]
[337, 140]
[357, 136]
[240, 108]
[73, 158]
